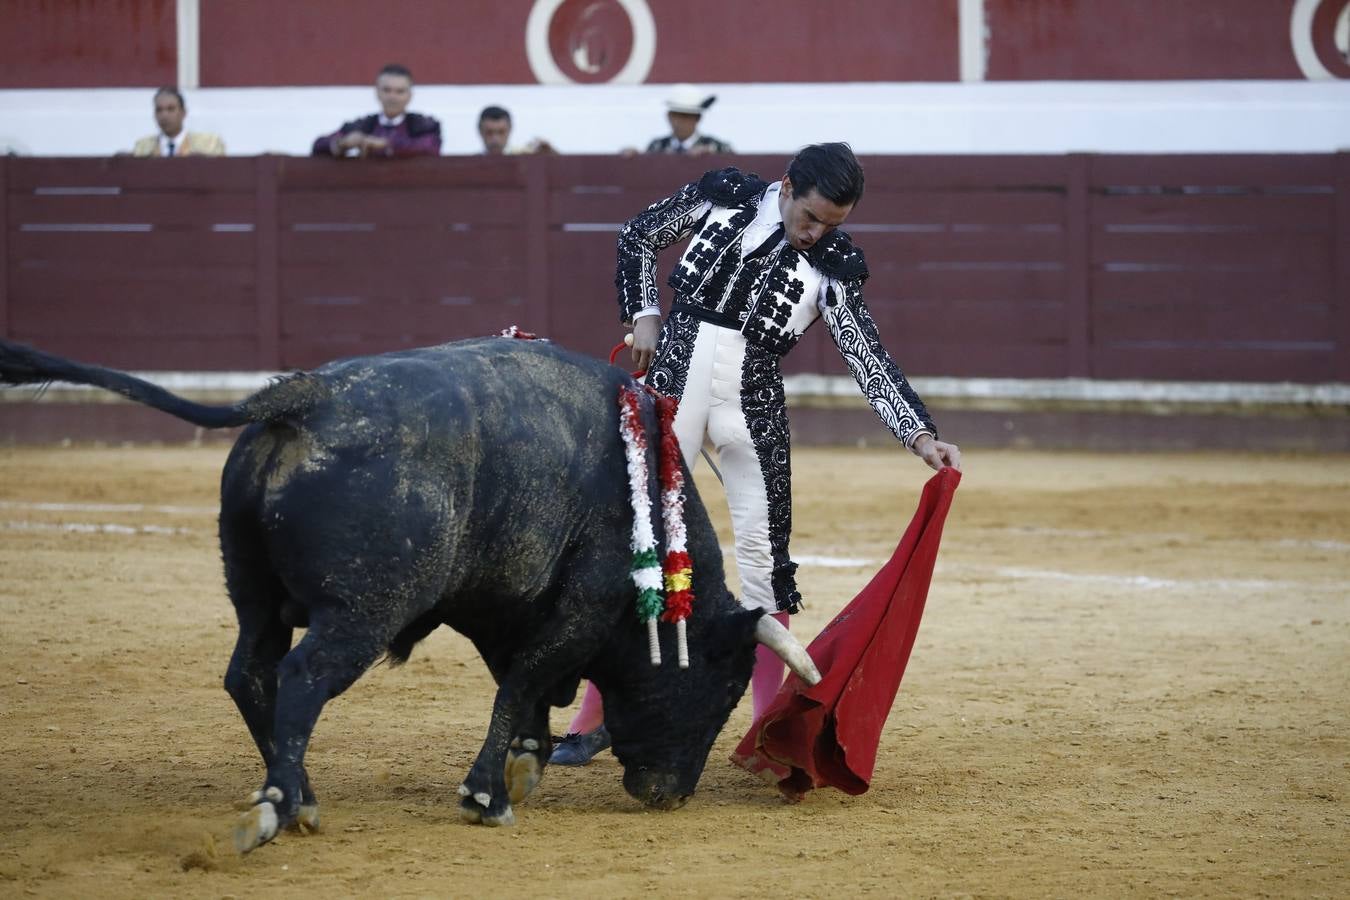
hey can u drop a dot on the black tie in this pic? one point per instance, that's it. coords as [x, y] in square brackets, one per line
[171, 148]
[768, 244]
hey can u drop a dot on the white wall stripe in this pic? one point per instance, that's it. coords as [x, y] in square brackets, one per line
[108, 507]
[1332, 394]
[188, 14]
[931, 388]
[974, 40]
[93, 528]
[980, 117]
[1145, 582]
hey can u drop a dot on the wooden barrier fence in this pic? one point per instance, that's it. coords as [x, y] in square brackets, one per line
[1227, 268]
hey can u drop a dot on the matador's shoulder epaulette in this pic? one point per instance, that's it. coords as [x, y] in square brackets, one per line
[730, 186]
[837, 256]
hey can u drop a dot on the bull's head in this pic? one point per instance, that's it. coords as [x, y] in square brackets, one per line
[663, 720]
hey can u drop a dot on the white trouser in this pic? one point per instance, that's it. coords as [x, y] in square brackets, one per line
[711, 406]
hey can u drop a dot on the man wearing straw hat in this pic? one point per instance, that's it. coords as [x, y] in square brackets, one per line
[684, 108]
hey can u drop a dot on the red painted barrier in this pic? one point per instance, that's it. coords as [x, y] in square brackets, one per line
[1199, 268]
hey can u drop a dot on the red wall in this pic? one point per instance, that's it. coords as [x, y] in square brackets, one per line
[259, 42]
[1165, 39]
[67, 43]
[842, 40]
[247, 43]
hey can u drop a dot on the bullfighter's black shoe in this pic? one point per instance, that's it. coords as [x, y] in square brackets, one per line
[578, 749]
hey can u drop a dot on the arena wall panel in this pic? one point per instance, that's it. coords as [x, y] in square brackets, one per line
[1225, 266]
[1105, 40]
[1108, 267]
[430, 253]
[68, 43]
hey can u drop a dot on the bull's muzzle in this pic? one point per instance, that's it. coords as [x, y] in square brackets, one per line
[658, 790]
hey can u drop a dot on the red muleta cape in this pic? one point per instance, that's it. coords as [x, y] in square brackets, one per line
[827, 735]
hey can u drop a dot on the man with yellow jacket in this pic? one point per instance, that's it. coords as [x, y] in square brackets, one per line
[173, 140]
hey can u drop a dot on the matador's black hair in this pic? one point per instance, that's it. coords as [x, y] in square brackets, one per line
[831, 169]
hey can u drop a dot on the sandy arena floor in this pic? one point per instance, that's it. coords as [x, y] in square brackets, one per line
[1131, 680]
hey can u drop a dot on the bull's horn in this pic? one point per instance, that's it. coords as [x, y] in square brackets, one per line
[778, 639]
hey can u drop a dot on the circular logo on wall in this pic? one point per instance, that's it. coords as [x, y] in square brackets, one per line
[1319, 33]
[590, 41]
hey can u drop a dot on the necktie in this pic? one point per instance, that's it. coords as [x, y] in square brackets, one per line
[171, 148]
[769, 243]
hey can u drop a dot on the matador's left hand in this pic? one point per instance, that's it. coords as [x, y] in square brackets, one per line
[937, 453]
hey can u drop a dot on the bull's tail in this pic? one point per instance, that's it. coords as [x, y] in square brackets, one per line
[287, 398]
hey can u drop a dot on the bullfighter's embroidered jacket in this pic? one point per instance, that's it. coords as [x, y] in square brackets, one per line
[771, 294]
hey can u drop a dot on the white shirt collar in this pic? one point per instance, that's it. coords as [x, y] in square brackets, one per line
[394, 122]
[767, 218]
[177, 139]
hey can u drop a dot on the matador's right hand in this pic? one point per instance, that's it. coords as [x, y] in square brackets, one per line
[937, 453]
[646, 332]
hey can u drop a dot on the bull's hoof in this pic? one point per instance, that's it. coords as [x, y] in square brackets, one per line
[523, 771]
[266, 815]
[307, 820]
[480, 809]
[256, 827]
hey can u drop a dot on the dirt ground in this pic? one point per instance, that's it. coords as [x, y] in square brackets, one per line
[1131, 680]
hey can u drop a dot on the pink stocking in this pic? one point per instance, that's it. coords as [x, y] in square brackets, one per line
[592, 713]
[768, 677]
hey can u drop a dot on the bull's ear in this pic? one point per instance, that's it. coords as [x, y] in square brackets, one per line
[736, 635]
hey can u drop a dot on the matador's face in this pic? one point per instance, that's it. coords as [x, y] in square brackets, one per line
[808, 217]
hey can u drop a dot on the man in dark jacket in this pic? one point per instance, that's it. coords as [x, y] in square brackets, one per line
[393, 132]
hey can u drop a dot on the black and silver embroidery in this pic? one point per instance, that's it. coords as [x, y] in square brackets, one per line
[774, 305]
[674, 350]
[644, 236]
[712, 258]
[765, 410]
[882, 382]
[836, 255]
[730, 186]
[736, 300]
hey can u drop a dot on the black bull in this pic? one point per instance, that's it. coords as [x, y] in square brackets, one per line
[481, 485]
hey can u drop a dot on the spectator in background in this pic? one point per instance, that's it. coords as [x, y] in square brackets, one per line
[684, 109]
[392, 132]
[172, 140]
[494, 127]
